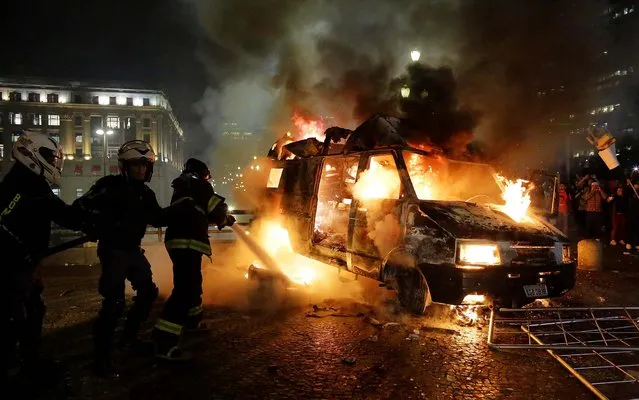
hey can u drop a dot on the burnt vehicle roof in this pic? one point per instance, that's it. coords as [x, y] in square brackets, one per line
[474, 221]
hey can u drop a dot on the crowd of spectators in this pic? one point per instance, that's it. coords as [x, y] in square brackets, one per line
[607, 210]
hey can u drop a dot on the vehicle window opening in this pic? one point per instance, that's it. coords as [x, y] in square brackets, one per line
[274, 177]
[334, 202]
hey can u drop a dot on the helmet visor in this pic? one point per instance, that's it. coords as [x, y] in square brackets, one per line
[52, 157]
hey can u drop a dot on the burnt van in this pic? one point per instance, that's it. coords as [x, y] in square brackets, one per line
[432, 228]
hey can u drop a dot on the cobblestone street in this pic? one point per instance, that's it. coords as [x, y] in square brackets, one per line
[302, 348]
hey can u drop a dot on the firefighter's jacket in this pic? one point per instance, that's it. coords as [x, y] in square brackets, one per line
[188, 227]
[27, 208]
[120, 210]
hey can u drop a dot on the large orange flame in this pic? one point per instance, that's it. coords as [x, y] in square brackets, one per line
[377, 182]
[516, 196]
[308, 128]
[422, 177]
[276, 242]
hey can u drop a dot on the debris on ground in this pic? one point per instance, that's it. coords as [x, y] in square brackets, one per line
[374, 322]
[373, 338]
[349, 361]
[389, 324]
[413, 335]
[317, 308]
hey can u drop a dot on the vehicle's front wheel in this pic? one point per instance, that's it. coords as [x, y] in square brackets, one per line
[411, 286]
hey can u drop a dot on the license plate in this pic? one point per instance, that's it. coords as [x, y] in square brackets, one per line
[536, 290]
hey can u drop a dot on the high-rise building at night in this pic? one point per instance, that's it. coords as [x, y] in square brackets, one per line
[613, 87]
[90, 122]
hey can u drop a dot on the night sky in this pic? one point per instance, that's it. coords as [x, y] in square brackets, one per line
[146, 43]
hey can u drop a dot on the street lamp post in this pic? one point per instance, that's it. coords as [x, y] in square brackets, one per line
[104, 134]
[415, 55]
[405, 91]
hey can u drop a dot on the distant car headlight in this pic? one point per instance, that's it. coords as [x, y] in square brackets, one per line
[479, 254]
[566, 256]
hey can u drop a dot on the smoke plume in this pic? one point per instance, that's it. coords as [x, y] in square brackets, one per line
[483, 65]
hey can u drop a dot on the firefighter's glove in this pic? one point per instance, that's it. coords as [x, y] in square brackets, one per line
[228, 221]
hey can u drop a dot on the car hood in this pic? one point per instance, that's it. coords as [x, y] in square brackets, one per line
[476, 221]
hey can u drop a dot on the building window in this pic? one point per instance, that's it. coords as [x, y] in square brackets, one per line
[129, 101]
[34, 97]
[78, 138]
[1, 151]
[146, 122]
[79, 192]
[36, 119]
[95, 100]
[147, 138]
[54, 120]
[78, 153]
[112, 100]
[77, 99]
[113, 122]
[15, 118]
[77, 120]
[15, 96]
[146, 102]
[56, 191]
[53, 98]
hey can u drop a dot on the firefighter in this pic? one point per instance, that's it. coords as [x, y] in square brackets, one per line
[121, 207]
[27, 208]
[186, 240]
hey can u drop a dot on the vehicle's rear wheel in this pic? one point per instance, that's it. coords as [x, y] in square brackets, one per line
[411, 286]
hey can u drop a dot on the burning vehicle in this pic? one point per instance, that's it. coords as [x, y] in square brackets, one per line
[433, 228]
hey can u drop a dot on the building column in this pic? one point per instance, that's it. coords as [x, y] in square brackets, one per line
[154, 137]
[139, 134]
[86, 136]
[66, 135]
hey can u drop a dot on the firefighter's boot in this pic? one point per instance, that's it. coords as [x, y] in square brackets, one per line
[166, 336]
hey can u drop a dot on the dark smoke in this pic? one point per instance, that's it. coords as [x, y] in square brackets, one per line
[483, 64]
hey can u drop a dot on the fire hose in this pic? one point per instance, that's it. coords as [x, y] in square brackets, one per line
[256, 249]
[64, 246]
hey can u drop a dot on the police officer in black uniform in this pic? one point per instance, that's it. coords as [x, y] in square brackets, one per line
[27, 207]
[121, 207]
[186, 240]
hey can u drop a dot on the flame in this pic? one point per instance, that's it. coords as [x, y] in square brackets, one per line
[275, 240]
[474, 299]
[308, 128]
[516, 196]
[466, 315]
[377, 182]
[422, 177]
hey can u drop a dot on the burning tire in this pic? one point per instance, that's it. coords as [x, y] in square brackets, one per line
[411, 286]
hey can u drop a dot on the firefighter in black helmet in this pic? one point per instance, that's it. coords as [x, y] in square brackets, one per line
[186, 240]
[121, 207]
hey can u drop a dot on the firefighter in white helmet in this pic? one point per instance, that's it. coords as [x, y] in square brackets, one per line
[27, 208]
[121, 207]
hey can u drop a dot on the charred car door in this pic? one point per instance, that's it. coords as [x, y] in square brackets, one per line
[376, 227]
[332, 214]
